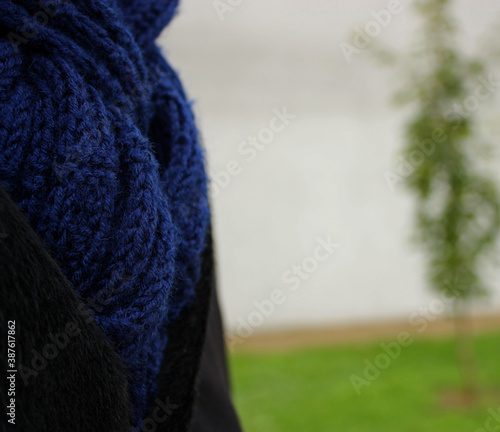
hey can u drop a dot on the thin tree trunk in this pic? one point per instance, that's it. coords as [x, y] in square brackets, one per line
[465, 351]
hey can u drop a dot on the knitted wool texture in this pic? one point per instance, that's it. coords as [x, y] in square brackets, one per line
[99, 149]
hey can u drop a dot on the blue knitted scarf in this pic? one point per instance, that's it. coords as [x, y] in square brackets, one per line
[99, 149]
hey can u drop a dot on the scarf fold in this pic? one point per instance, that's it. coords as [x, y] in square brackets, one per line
[99, 149]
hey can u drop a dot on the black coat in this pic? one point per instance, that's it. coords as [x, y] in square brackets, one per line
[70, 378]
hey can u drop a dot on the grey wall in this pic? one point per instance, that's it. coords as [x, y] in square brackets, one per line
[323, 173]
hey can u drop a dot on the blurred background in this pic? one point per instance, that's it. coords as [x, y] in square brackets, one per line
[315, 264]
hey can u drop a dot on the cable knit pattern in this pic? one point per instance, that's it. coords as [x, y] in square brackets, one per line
[99, 149]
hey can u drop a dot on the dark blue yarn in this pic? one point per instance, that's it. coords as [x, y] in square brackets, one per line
[99, 148]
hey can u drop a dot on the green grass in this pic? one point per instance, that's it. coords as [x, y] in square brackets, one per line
[310, 390]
